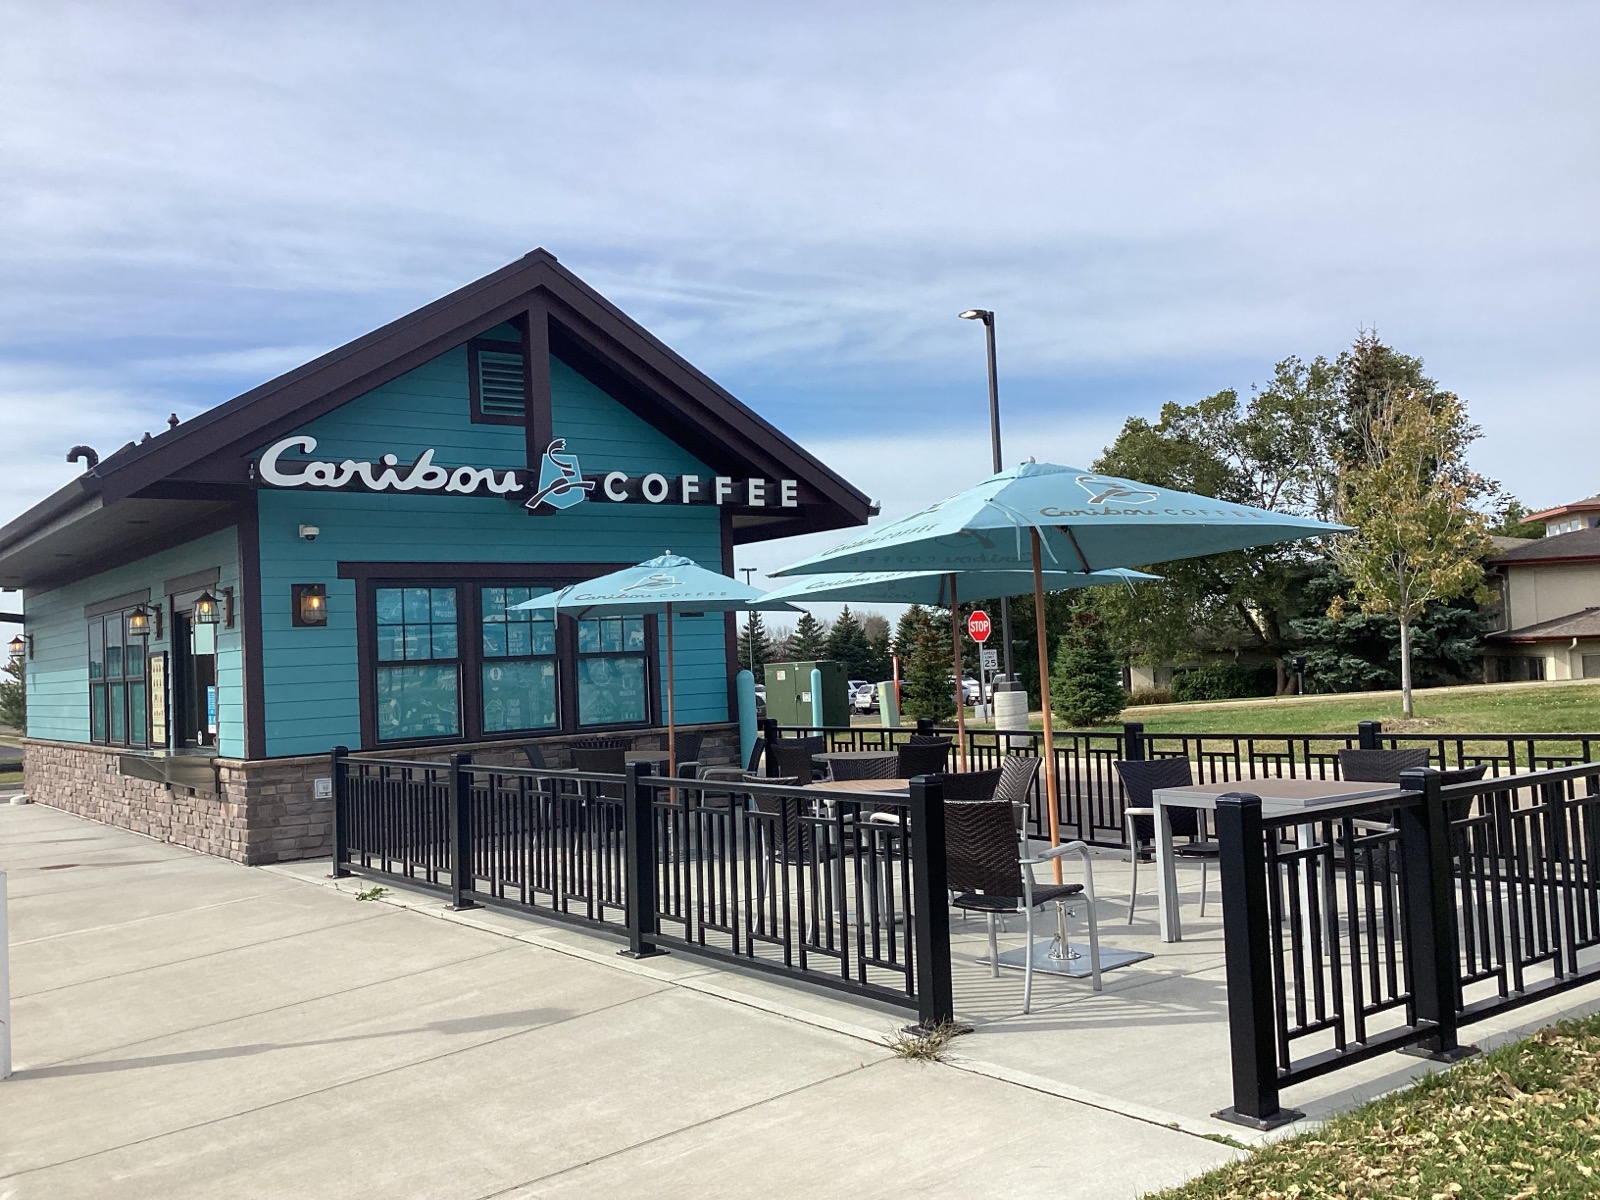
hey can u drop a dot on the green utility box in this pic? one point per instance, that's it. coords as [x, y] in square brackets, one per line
[789, 693]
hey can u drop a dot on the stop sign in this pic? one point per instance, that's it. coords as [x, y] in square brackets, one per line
[978, 626]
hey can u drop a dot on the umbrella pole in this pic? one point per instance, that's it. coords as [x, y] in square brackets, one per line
[1052, 783]
[672, 724]
[961, 706]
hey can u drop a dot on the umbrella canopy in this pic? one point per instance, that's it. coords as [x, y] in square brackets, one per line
[653, 586]
[1039, 514]
[1085, 521]
[657, 586]
[939, 588]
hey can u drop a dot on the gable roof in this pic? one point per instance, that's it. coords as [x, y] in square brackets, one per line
[1587, 504]
[1582, 545]
[204, 462]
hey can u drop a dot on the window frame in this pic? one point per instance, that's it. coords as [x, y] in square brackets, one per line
[486, 659]
[381, 664]
[474, 390]
[105, 682]
[469, 579]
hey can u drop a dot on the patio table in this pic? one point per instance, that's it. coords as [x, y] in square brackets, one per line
[896, 786]
[1279, 797]
[645, 756]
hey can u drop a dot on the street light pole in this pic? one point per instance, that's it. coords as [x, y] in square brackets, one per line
[1009, 680]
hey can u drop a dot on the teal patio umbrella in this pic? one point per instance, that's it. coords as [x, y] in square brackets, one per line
[1076, 519]
[940, 589]
[657, 586]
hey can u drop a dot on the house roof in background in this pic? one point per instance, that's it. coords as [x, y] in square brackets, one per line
[1582, 545]
[1585, 623]
[1587, 504]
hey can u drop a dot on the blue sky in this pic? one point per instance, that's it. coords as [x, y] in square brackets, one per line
[1158, 199]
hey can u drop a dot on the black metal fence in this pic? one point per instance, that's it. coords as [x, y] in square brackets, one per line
[1092, 798]
[1371, 929]
[771, 877]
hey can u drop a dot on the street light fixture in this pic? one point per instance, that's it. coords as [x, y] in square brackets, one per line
[987, 317]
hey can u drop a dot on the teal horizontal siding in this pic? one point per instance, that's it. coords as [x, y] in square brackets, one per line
[310, 676]
[58, 675]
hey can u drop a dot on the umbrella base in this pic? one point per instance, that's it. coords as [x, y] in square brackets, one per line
[1075, 964]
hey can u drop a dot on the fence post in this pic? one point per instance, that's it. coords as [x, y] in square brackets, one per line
[461, 833]
[924, 726]
[1367, 735]
[1430, 945]
[1247, 950]
[930, 903]
[339, 772]
[639, 858]
[1133, 741]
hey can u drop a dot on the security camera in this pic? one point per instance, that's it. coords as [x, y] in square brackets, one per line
[309, 532]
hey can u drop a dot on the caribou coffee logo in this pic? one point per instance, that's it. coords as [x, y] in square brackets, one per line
[1104, 491]
[561, 482]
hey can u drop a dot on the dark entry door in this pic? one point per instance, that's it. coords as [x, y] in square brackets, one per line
[194, 685]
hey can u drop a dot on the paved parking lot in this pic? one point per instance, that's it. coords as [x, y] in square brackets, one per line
[188, 1027]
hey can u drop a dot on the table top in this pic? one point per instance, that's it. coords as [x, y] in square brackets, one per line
[649, 756]
[1278, 795]
[902, 786]
[855, 755]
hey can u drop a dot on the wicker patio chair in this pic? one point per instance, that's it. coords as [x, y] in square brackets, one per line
[967, 786]
[1140, 779]
[535, 756]
[1379, 766]
[882, 767]
[922, 758]
[749, 770]
[787, 757]
[688, 750]
[990, 876]
[603, 743]
[1017, 773]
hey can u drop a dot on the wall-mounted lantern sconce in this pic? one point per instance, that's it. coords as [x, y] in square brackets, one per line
[309, 604]
[213, 610]
[145, 622]
[19, 645]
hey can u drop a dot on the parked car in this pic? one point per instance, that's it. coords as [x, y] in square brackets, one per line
[852, 686]
[761, 701]
[865, 698]
[971, 690]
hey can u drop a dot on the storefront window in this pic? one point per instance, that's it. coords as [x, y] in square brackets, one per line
[612, 679]
[519, 662]
[118, 708]
[419, 668]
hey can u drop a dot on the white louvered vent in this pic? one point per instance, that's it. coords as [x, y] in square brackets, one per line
[501, 391]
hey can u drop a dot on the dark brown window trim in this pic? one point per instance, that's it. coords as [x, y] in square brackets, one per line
[120, 603]
[471, 576]
[194, 581]
[475, 410]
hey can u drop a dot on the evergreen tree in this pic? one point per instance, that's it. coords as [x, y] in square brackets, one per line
[880, 664]
[926, 689]
[755, 647]
[810, 640]
[847, 644]
[13, 696]
[1085, 679]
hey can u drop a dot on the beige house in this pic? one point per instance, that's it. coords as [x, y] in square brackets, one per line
[1569, 518]
[1549, 603]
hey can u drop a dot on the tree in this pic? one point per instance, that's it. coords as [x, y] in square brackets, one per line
[755, 647]
[14, 696]
[1410, 494]
[810, 640]
[876, 629]
[847, 644]
[1368, 374]
[924, 648]
[1514, 521]
[1276, 451]
[1085, 679]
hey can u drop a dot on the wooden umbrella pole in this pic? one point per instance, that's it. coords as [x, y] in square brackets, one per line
[1052, 784]
[672, 722]
[955, 650]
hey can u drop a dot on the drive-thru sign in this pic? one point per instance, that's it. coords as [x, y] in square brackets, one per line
[978, 626]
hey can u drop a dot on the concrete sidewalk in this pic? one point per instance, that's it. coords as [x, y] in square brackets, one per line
[188, 1027]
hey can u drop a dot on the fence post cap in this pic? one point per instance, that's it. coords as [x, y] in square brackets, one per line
[1239, 800]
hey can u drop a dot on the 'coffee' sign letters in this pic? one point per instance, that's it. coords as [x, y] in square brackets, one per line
[560, 482]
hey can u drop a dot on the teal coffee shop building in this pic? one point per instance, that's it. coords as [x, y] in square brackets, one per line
[333, 558]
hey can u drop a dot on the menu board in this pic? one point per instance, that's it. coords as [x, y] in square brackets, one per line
[156, 667]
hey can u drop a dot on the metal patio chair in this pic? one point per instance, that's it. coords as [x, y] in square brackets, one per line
[751, 769]
[689, 742]
[989, 875]
[1140, 779]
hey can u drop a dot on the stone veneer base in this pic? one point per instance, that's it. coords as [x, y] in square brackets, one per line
[264, 810]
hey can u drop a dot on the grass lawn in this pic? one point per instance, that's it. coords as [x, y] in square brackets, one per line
[1513, 708]
[1522, 1121]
